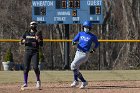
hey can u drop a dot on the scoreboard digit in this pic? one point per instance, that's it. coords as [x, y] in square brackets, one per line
[67, 11]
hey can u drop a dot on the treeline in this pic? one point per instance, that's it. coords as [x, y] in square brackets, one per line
[122, 20]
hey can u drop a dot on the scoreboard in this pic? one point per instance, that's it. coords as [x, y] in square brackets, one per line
[67, 11]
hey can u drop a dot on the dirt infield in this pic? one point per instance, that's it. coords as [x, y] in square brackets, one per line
[63, 87]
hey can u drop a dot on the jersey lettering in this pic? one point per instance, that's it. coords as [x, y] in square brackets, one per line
[30, 37]
[84, 38]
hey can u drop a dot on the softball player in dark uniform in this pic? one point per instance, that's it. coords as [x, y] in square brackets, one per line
[32, 40]
[84, 40]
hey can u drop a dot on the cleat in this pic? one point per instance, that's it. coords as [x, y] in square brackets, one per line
[83, 85]
[24, 85]
[38, 84]
[74, 84]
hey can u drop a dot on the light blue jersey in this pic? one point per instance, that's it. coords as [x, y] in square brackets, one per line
[85, 41]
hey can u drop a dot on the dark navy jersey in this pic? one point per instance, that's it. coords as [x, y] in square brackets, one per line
[30, 40]
[85, 41]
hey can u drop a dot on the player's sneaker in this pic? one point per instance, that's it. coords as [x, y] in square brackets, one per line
[83, 85]
[38, 84]
[75, 83]
[24, 85]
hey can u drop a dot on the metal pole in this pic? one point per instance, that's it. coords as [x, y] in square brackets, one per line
[52, 65]
[51, 46]
[66, 47]
[99, 64]
[1, 58]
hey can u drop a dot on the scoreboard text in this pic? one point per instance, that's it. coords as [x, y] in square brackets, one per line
[67, 11]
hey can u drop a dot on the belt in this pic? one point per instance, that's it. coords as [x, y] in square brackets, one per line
[81, 51]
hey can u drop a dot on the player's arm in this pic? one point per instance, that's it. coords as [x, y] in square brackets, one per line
[39, 38]
[73, 43]
[76, 39]
[93, 50]
[95, 40]
[22, 40]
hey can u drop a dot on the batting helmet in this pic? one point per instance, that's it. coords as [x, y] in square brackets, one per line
[87, 24]
[33, 25]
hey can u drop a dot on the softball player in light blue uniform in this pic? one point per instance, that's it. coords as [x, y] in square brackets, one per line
[84, 40]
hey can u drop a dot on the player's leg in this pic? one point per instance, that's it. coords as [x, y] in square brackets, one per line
[80, 76]
[74, 69]
[27, 61]
[75, 76]
[84, 82]
[35, 59]
[80, 58]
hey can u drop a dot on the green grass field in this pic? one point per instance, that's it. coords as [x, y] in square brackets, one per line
[60, 76]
